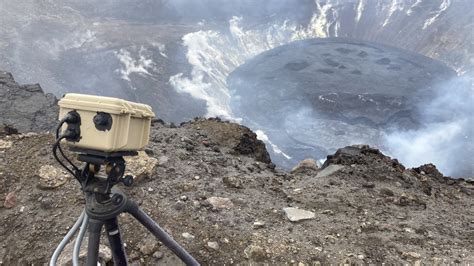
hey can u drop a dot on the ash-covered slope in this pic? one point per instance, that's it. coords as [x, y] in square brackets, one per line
[226, 207]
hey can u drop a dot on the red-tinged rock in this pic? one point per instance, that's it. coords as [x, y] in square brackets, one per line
[10, 200]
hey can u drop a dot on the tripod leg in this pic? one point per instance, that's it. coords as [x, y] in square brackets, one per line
[158, 232]
[95, 227]
[115, 241]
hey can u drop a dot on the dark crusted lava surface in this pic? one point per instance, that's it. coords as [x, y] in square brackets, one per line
[312, 96]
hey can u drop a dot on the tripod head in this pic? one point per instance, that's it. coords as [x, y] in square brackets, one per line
[96, 181]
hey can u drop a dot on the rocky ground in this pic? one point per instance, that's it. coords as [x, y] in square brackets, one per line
[214, 190]
[212, 186]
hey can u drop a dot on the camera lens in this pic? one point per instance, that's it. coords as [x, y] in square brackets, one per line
[103, 121]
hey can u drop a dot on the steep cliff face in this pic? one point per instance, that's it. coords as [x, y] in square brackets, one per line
[437, 29]
[25, 107]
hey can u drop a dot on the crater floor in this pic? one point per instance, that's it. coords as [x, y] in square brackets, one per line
[313, 96]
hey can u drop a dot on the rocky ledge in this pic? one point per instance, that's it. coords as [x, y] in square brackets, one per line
[229, 205]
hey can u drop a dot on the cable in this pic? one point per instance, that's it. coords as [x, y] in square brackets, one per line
[83, 219]
[55, 147]
[66, 239]
[80, 237]
[61, 122]
[67, 159]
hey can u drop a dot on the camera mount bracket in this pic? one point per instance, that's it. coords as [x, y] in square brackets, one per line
[114, 164]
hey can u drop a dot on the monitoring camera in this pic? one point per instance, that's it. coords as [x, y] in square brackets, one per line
[102, 130]
[104, 124]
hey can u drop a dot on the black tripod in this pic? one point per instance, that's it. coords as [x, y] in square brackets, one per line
[104, 203]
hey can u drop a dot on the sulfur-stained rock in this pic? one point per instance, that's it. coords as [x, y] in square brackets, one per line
[51, 177]
[5, 144]
[305, 165]
[141, 166]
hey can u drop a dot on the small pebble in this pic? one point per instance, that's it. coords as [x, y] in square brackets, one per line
[158, 255]
[258, 224]
[213, 245]
[187, 236]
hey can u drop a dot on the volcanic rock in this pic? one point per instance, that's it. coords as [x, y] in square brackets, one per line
[51, 177]
[220, 203]
[411, 255]
[255, 253]
[5, 144]
[158, 255]
[214, 245]
[258, 224]
[162, 160]
[10, 200]
[430, 170]
[305, 165]
[6, 130]
[46, 203]
[249, 144]
[147, 248]
[105, 254]
[232, 181]
[329, 170]
[296, 215]
[239, 139]
[358, 154]
[141, 166]
[187, 236]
